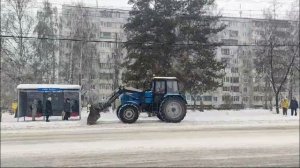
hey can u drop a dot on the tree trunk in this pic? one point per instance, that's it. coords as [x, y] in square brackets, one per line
[201, 105]
[53, 65]
[266, 93]
[277, 102]
[194, 106]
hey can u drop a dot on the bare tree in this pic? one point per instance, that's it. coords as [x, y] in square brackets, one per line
[275, 59]
[77, 23]
[44, 60]
[18, 49]
[77, 57]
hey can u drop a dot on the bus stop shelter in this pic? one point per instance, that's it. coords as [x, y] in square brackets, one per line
[27, 93]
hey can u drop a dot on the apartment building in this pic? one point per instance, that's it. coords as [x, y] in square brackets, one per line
[242, 86]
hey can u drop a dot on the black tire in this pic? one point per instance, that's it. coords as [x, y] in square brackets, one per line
[118, 112]
[128, 113]
[172, 109]
[159, 117]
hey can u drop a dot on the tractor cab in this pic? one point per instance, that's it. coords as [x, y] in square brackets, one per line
[162, 87]
[165, 85]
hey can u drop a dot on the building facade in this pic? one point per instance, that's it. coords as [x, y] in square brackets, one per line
[242, 86]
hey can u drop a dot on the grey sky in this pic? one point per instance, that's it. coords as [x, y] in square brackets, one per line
[249, 8]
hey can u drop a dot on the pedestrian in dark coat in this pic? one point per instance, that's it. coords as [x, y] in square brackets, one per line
[48, 111]
[40, 107]
[294, 105]
[67, 109]
[75, 107]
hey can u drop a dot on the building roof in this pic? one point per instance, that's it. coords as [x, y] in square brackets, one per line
[51, 86]
[164, 78]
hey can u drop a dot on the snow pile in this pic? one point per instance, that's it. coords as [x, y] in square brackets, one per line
[109, 120]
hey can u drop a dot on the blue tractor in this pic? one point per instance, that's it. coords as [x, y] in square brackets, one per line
[162, 99]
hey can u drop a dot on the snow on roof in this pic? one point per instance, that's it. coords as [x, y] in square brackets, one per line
[40, 86]
[164, 78]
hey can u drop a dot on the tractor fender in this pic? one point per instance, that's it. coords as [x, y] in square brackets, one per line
[134, 103]
[177, 96]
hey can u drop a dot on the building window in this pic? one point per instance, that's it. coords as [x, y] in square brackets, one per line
[226, 89]
[106, 14]
[215, 98]
[245, 90]
[234, 80]
[106, 35]
[106, 65]
[225, 51]
[245, 99]
[256, 89]
[235, 88]
[235, 98]
[225, 61]
[92, 76]
[226, 98]
[234, 70]
[233, 33]
[188, 97]
[258, 98]
[106, 76]
[230, 41]
[207, 98]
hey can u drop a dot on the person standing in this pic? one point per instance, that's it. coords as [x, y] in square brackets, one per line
[75, 107]
[34, 109]
[294, 106]
[48, 111]
[39, 107]
[14, 107]
[67, 109]
[285, 105]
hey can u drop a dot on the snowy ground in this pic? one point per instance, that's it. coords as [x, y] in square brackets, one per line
[207, 139]
[249, 117]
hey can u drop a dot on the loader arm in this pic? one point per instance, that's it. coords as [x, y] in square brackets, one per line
[95, 109]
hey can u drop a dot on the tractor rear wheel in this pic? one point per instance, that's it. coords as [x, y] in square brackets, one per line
[172, 109]
[128, 113]
[159, 117]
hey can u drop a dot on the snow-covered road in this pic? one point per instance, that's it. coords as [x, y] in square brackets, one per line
[231, 138]
[264, 146]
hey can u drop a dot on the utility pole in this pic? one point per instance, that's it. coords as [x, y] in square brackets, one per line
[240, 10]
[81, 45]
[299, 51]
[0, 62]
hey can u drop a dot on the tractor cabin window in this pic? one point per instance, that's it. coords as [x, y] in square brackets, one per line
[160, 87]
[172, 87]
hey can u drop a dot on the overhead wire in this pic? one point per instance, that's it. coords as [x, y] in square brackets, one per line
[126, 42]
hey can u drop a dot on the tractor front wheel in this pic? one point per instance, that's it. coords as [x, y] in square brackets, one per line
[128, 113]
[172, 109]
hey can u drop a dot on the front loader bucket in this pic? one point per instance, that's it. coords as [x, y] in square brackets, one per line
[95, 110]
[93, 116]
